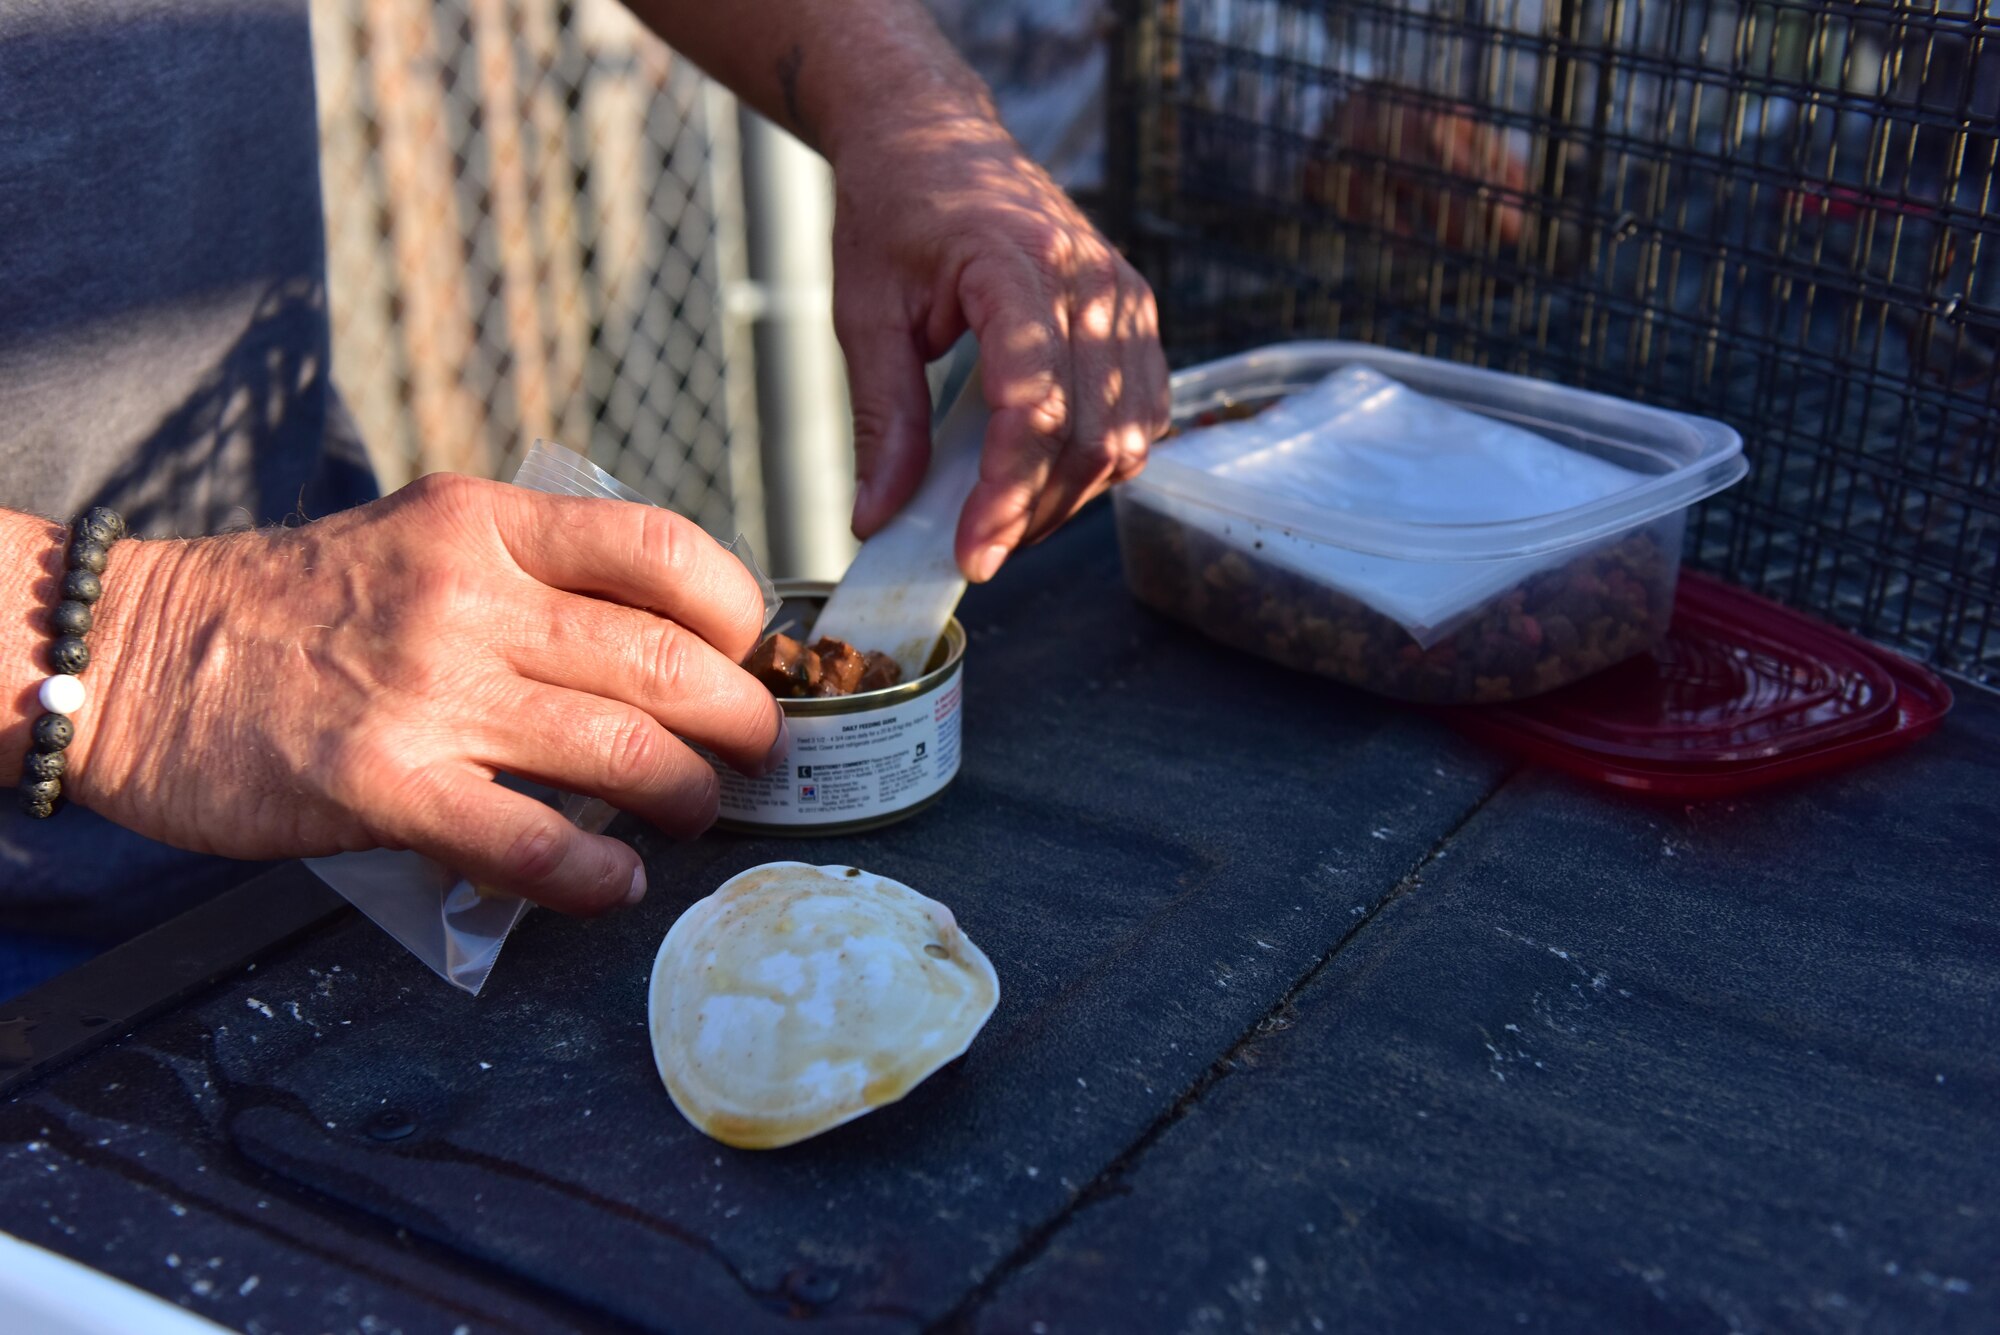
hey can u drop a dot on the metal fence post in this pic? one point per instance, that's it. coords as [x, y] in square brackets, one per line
[802, 405]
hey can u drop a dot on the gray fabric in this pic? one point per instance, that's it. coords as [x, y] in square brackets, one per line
[163, 331]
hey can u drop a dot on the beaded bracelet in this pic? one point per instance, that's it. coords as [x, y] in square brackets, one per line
[63, 694]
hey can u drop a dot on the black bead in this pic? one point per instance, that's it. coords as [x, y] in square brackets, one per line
[102, 524]
[40, 808]
[41, 790]
[73, 618]
[87, 555]
[41, 766]
[53, 732]
[80, 586]
[70, 655]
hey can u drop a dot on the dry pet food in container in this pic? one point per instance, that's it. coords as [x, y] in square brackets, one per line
[1424, 530]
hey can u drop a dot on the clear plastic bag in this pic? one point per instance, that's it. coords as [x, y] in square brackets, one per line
[1367, 461]
[450, 924]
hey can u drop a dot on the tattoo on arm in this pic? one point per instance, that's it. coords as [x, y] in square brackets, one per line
[788, 84]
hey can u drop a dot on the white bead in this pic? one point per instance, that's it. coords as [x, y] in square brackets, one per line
[63, 694]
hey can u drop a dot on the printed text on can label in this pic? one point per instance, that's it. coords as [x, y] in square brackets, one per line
[856, 765]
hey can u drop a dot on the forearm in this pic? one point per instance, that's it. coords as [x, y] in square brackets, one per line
[863, 72]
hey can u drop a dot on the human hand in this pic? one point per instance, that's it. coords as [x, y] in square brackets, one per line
[358, 682]
[943, 225]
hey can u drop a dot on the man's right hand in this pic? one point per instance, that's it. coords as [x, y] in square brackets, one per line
[357, 683]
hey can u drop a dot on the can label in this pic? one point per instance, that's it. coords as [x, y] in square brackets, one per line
[856, 765]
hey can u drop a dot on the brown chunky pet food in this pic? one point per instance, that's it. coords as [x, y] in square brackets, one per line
[830, 667]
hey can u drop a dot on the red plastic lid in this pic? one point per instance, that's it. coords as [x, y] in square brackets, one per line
[1742, 693]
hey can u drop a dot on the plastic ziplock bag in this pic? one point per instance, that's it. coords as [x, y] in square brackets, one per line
[456, 927]
[1359, 442]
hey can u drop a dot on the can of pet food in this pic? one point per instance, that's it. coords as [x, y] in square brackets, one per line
[858, 762]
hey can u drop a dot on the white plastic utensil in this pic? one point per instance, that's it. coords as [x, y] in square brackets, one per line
[904, 584]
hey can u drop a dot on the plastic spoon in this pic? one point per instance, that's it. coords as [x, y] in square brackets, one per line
[900, 592]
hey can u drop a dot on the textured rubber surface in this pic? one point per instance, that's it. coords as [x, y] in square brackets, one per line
[1248, 926]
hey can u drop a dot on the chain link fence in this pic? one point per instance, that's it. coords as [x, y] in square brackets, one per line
[534, 219]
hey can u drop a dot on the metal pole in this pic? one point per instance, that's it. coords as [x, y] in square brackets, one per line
[802, 405]
[739, 361]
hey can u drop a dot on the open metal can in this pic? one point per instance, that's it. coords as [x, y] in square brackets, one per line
[858, 762]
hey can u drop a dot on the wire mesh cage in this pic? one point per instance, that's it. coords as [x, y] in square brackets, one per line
[533, 224]
[1785, 214]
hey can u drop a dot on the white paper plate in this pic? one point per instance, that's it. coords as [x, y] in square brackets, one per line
[45, 1294]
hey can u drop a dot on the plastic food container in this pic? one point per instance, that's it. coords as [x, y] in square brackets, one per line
[858, 762]
[1380, 568]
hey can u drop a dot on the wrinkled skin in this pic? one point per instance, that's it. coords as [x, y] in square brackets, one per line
[946, 227]
[357, 683]
[942, 224]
